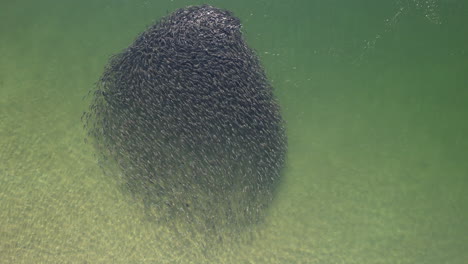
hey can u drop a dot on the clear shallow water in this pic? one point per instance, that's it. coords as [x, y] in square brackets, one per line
[375, 98]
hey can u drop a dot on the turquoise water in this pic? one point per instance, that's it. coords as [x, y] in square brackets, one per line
[374, 93]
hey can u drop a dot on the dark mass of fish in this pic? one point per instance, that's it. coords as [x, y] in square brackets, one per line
[189, 118]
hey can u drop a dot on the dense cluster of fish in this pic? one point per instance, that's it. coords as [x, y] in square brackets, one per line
[189, 117]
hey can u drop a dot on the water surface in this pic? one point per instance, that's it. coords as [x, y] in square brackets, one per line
[375, 98]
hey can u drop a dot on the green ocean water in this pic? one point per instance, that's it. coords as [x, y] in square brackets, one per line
[374, 94]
